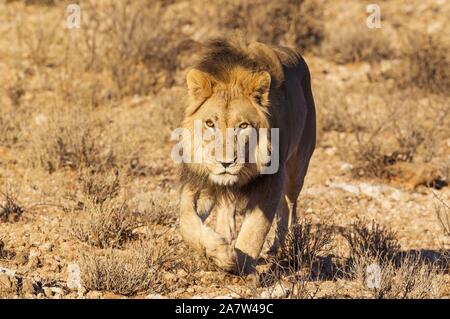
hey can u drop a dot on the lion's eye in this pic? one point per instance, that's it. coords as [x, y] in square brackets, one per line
[209, 123]
[243, 125]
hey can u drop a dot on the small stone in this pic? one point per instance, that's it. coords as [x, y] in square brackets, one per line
[7, 271]
[46, 247]
[279, 291]
[48, 291]
[28, 287]
[57, 291]
[21, 258]
[5, 282]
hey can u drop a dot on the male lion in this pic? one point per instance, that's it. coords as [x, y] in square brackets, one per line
[243, 87]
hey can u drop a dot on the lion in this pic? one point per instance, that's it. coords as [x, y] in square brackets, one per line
[245, 86]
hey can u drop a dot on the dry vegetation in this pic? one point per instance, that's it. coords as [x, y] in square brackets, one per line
[85, 122]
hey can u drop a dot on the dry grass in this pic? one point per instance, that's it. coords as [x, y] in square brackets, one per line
[298, 264]
[426, 63]
[443, 216]
[99, 187]
[10, 209]
[95, 107]
[376, 262]
[305, 242]
[127, 272]
[159, 208]
[371, 241]
[73, 141]
[106, 225]
[411, 278]
[292, 22]
[354, 42]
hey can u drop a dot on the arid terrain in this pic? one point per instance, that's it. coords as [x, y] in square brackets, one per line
[87, 182]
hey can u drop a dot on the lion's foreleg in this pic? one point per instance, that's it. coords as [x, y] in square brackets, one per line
[225, 221]
[200, 236]
[254, 230]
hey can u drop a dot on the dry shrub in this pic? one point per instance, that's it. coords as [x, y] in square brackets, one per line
[371, 241]
[10, 127]
[99, 187]
[412, 278]
[296, 23]
[159, 208]
[10, 209]
[335, 111]
[127, 272]
[298, 262]
[347, 43]
[39, 38]
[139, 62]
[426, 63]
[375, 261]
[304, 244]
[443, 215]
[107, 225]
[73, 141]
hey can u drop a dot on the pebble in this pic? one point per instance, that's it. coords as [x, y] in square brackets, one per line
[5, 282]
[279, 291]
[28, 287]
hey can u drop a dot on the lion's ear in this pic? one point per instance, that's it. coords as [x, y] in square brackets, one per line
[260, 87]
[199, 85]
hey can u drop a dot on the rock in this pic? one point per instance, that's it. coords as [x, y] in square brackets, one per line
[345, 167]
[34, 260]
[7, 271]
[279, 291]
[58, 291]
[28, 287]
[46, 247]
[21, 258]
[48, 291]
[230, 296]
[73, 276]
[5, 282]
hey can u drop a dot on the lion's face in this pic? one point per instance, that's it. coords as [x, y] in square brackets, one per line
[226, 120]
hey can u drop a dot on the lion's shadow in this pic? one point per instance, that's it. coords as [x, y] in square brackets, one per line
[332, 268]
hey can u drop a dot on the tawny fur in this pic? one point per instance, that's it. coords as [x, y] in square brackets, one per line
[267, 87]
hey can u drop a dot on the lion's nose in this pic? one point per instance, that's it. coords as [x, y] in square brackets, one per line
[226, 163]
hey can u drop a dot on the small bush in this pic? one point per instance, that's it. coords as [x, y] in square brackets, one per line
[443, 216]
[126, 272]
[371, 241]
[427, 63]
[349, 43]
[304, 243]
[296, 23]
[106, 225]
[10, 209]
[411, 278]
[98, 187]
[157, 208]
[72, 141]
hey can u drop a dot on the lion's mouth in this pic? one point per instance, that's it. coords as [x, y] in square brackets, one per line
[226, 173]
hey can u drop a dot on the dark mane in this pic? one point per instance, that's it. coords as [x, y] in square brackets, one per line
[221, 55]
